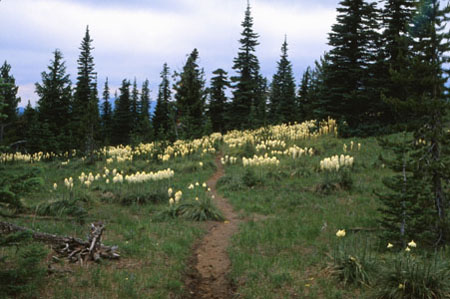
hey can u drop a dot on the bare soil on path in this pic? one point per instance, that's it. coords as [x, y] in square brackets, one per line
[210, 264]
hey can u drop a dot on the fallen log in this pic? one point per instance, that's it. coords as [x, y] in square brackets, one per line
[75, 249]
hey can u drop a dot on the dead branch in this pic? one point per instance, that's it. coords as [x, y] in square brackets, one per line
[75, 249]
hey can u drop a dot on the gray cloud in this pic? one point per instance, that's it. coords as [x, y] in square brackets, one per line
[134, 39]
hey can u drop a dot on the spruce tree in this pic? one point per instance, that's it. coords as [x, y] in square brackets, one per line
[54, 104]
[282, 93]
[8, 91]
[123, 116]
[247, 84]
[190, 98]
[427, 104]
[218, 100]
[106, 115]
[85, 105]
[162, 119]
[352, 63]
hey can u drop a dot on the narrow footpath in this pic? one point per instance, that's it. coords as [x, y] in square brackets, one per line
[210, 263]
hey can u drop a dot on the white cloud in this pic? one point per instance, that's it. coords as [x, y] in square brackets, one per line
[133, 42]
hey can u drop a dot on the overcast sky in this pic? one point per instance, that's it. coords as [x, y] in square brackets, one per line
[133, 38]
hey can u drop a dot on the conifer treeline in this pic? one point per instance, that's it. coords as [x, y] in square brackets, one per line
[369, 64]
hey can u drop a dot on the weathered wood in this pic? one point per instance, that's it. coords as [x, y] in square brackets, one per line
[75, 249]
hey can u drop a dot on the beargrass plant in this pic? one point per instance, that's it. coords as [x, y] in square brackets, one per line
[408, 275]
[353, 261]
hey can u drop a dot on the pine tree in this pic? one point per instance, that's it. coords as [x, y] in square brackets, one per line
[162, 119]
[247, 95]
[106, 115]
[427, 103]
[8, 91]
[145, 128]
[282, 94]
[352, 62]
[218, 100]
[123, 117]
[85, 104]
[54, 104]
[190, 98]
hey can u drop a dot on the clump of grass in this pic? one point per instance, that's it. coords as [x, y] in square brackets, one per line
[352, 262]
[68, 207]
[195, 210]
[333, 181]
[406, 276]
[200, 210]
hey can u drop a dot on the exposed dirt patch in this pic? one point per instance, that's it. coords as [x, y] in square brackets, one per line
[210, 263]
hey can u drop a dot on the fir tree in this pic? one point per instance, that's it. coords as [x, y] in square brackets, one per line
[106, 115]
[190, 98]
[145, 128]
[54, 104]
[123, 117]
[247, 95]
[85, 104]
[218, 100]
[282, 93]
[161, 120]
[8, 91]
[304, 100]
[134, 105]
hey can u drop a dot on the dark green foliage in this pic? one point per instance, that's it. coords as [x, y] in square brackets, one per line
[139, 197]
[25, 278]
[54, 104]
[85, 104]
[218, 100]
[106, 116]
[248, 105]
[144, 130]
[9, 99]
[123, 116]
[163, 120]
[350, 90]
[134, 106]
[282, 107]
[190, 99]
[426, 103]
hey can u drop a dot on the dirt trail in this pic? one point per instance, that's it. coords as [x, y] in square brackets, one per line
[210, 262]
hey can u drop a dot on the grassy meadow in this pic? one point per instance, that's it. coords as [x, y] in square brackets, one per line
[287, 246]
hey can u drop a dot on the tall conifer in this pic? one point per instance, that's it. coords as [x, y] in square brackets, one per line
[248, 85]
[8, 91]
[218, 100]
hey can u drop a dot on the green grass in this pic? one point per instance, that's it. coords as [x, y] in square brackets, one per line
[287, 253]
[154, 254]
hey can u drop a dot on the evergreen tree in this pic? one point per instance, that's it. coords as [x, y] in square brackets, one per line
[427, 103]
[85, 104]
[123, 117]
[352, 63]
[161, 120]
[247, 95]
[190, 98]
[106, 115]
[218, 100]
[282, 93]
[8, 91]
[304, 100]
[54, 104]
[134, 105]
[145, 128]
